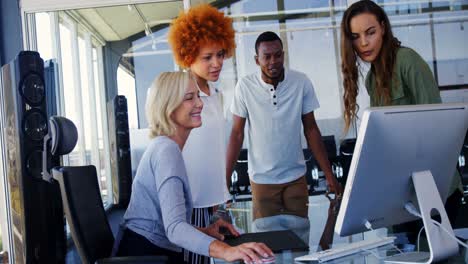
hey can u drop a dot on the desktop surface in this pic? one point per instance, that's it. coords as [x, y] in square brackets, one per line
[317, 231]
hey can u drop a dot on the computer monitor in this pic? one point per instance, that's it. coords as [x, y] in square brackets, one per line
[404, 154]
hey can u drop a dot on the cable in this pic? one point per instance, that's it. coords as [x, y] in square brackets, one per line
[412, 210]
[409, 206]
[369, 227]
[419, 235]
[450, 234]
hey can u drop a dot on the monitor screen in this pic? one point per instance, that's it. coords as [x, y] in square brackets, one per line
[392, 144]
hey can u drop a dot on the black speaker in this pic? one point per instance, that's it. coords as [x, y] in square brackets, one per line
[121, 166]
[37, 223]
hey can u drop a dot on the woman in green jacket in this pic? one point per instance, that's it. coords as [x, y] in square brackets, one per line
[398, 75]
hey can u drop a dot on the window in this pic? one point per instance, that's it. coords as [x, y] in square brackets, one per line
[70, 90]
[151, 55]
[79, 58]
[77, 40]
[126, 83]
[436, 30]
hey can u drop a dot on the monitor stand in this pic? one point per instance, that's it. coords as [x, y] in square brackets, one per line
[441, 245]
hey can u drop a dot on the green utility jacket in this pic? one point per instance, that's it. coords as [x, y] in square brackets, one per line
[413, 81]
[413, 84]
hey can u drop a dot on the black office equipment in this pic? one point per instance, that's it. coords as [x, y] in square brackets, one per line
[277, 241]
[463, 166]
[346, 155]
[241, 185]
[313, 170]
[36, 214]
[121, 164]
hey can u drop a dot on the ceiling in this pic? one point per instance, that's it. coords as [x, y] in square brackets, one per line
[119, 22]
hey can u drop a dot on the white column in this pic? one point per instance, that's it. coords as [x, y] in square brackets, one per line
[55, 30]
[77, 90]
[105, 127]
[92, 104]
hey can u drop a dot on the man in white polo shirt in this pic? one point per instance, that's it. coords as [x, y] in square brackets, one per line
[275, 103]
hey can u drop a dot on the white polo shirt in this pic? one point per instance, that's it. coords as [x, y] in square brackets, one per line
[205, 154]
[274, 124]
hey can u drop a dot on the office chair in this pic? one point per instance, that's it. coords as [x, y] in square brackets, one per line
[240, 182]
[82, 202]
[462, 165]
[312, 171]
[243, 181]
[313, 176]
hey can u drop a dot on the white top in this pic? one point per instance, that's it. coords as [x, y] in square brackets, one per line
[205, 154]
[274, 124]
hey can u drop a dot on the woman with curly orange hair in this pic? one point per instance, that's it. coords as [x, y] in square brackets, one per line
[201, 38]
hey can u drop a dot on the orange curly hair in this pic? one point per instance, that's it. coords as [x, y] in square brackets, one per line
[199, 26]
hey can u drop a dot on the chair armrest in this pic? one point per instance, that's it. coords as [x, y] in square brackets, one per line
[134, 260]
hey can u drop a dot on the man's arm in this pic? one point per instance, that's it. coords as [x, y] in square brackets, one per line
[235, 144]
[315, 143]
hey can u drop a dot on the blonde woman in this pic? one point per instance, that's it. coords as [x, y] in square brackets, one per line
[157, 218]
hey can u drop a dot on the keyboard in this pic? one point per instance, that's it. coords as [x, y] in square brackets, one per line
[346, 250]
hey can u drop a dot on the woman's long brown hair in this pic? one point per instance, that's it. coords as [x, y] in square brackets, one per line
[382, 67]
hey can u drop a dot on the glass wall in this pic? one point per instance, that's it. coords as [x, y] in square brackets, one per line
[309, 34]
[310, 31]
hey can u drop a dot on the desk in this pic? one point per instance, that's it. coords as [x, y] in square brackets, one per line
[317, 231]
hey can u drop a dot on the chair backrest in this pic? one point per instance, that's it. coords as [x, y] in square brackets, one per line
[85, 212]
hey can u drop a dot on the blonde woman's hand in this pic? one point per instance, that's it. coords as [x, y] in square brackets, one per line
[213, 230]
